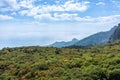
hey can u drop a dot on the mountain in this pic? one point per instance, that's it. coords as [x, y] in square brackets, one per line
[64, 44]
[116, 34]
[98, 38]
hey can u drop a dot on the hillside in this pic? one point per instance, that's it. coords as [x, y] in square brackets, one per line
[101, 62]
[98, 38]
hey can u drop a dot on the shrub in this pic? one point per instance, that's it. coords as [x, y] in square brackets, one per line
[114, 75]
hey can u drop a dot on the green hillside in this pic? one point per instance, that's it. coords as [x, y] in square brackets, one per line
[101, 62]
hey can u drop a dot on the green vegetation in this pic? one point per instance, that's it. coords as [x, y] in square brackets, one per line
[101, 62]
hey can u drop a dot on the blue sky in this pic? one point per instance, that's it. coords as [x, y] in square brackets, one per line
[42, 22]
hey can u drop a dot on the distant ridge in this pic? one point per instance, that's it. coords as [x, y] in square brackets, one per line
[64, 44]
[98, 38]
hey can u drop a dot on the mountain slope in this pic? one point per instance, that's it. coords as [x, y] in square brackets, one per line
[97, 38]
[116, 34]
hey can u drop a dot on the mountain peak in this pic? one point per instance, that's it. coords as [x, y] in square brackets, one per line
[64, 44]
[74, 39]
[116, 34]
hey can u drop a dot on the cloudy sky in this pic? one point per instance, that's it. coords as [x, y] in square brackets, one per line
[42, 22]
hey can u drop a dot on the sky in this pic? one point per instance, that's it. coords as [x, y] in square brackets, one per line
[43, 22]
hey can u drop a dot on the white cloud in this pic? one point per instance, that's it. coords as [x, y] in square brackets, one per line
[5, 17]
[13, 4]
[69, 6]
[23, 12]
[46, 11]
[34, 11]
[50, 8]
[65, 16]
[75, 17]
[51, 12]
[75, 6]
[46, 17]
[85, 19]
[26, 3]
[109, 19]
[55, 12]
[57, 17]
[103, 19]
[100, 3]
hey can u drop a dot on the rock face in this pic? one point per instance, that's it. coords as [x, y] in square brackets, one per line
[116, 34]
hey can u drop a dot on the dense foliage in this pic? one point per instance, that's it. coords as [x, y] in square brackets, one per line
[100, 62]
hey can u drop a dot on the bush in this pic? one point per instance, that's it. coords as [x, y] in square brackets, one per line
[58, 51]
[114, 75]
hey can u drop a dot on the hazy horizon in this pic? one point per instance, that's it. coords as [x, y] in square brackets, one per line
[40, 22]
